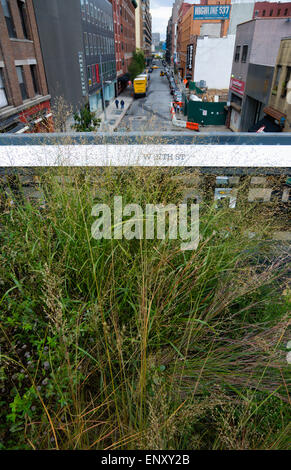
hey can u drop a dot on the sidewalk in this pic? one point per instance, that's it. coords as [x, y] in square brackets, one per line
[113, 115]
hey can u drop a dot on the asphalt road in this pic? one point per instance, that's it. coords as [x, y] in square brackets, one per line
[151, 113]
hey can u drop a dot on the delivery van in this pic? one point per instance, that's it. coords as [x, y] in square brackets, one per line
[140, 85]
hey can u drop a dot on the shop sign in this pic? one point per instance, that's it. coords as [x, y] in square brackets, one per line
[237, 85]
[189, 62]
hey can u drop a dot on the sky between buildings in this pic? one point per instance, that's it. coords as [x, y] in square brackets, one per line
[161, 11]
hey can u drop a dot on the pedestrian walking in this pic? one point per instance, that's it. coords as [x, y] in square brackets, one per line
[122, 104]
[116, 103]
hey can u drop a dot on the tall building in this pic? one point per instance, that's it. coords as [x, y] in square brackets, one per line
[77, 40]
[124, 37]
[143, 23]
[24, 97]
[168, 54]
[255, 54]
[194, 25]
[156, 38]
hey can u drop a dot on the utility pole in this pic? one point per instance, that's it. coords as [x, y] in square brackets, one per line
[102, 87]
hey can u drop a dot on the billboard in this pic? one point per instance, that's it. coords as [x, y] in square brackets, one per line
[212, 12]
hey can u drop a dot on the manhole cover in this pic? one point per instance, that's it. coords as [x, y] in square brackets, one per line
[112, 121]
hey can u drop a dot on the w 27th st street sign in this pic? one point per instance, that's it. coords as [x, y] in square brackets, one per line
[212, 12]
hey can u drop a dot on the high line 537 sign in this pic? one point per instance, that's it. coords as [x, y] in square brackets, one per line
[212, 12]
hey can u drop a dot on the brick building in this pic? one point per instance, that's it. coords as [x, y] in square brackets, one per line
[24, 97]
[190, 29]
[124, 37]
[272, 10]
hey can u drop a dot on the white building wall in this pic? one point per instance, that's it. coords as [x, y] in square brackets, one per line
[213, 61]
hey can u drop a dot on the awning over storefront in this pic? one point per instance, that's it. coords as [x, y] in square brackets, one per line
[124, 78]
[266, 124]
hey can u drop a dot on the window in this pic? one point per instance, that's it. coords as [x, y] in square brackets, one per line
[3, 97]
[244, 53]
[86, 43]
[271, 12]
[95, 44]
[8, 18]
[256, 13]
[278, 12]
[286, 12]
[89, 75]
[21, 82]
[93, 74]
[34, 79]
[277, 79]
[285, 82]
[88, 11]
[23, 16]
[237, 54]
[264, 13]
[83, 10]
[90, 43]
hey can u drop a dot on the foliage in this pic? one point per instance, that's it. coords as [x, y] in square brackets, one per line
[137, 64]
[85, 120]
[126, 344]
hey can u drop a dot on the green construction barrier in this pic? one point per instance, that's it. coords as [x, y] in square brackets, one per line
[195, 88]
[209, 114]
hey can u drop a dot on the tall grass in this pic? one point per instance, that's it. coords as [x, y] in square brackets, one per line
[135, 344]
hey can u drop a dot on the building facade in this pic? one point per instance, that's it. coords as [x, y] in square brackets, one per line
[24, 97]
[124, 38]
[255, 52]
[143, 28]
[77, 40]
[189, 31]
[272, 10]
[168, 53]
[156, 38]
[99, 49]
[279, 105]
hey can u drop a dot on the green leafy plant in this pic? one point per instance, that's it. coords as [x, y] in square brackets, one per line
[85, 120]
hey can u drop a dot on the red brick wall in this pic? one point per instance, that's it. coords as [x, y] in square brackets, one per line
[21, 48]
[124, 33]
[273, 10]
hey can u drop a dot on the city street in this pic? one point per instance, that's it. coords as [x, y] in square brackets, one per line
[151, 113]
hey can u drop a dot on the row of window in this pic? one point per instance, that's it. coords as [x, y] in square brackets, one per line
[94, 72]
[21, 82]
[9, 18]
[271, 12]
[244, 53]
[97, 44]
[94, 15]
